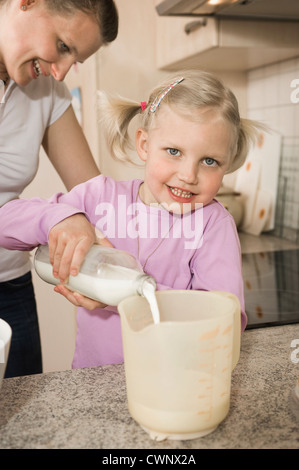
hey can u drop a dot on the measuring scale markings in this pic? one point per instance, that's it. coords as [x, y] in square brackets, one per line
[209, 401]
[227, 333]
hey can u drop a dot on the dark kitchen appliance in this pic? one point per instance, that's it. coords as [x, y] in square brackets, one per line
[271, 288]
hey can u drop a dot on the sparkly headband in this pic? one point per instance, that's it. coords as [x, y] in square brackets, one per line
[158, 99]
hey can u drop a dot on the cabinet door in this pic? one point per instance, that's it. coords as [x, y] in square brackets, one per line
[223, 44]
[175, 46]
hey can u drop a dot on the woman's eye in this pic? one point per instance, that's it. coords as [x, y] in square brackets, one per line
[174, 152]
[63, 47]
[210, 161]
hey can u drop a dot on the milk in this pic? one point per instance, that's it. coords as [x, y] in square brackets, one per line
[177, 422]
[109, 291]
[149, 292]
[107, 275]
[197, 402]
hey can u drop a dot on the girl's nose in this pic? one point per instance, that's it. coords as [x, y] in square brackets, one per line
[60, 69]
[188, 172]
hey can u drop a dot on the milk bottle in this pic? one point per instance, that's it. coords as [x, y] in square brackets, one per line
[107, 275]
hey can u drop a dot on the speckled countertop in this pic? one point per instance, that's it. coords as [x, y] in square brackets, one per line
[87, 408]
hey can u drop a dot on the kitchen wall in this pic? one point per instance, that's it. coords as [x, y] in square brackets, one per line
[273, 97]
[128, 68]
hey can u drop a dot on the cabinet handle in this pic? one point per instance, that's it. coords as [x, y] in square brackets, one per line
[193, 25]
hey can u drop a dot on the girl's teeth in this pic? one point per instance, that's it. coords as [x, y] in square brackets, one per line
[181, 193]
[37, 68]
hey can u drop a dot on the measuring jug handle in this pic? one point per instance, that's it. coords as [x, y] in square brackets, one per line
[237, 326]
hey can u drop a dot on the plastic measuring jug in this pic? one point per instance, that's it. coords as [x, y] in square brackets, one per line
[178, 372]
[5, 339]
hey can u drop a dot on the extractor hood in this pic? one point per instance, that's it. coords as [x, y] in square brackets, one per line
[249, 9]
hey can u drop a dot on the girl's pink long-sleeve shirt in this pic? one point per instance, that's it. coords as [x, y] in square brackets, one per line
[200, 250]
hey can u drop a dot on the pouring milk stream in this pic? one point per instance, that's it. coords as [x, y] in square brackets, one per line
[107, 275]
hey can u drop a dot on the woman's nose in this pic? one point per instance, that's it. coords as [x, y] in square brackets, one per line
[60, 69]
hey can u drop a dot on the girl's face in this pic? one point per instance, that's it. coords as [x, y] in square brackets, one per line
[36, 42]
[185, 160]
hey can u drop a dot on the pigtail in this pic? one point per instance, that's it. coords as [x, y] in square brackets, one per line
[249, 132]
[116, 113]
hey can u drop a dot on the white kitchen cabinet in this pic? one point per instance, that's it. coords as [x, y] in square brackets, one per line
[223, 44]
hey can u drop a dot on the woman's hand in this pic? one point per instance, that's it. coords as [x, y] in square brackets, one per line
[69, 241]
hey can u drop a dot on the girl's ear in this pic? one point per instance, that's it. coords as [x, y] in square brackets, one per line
[142, 143]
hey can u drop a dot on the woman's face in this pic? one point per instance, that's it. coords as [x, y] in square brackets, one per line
[40, 43]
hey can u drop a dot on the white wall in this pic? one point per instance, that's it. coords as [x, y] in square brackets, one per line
[128, 68]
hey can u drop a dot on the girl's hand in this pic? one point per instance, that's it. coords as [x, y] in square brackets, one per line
[77, 299]
[69, 241]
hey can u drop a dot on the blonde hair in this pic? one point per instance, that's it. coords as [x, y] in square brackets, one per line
[196, 91]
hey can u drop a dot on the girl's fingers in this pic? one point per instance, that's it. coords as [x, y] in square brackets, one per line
[57, 252]
[69, 241]
[62, 262]
[77, 299]
[79, 253]
[87, 303]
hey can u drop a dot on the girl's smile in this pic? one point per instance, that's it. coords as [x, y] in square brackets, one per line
[180, 195]
[185, 159]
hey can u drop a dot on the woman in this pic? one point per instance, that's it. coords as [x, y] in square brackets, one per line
[39, 42]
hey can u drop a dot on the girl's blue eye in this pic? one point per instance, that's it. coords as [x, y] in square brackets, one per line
[174, 152]
[210, 161]
[63, 47]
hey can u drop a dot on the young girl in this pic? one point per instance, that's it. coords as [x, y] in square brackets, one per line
[189, 137]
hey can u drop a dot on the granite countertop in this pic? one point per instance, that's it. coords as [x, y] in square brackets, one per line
[264, 242]
[87, 408]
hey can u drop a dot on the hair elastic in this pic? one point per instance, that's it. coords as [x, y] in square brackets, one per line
[143, 105]
[158, 99]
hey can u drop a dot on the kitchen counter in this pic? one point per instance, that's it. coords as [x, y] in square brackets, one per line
[87, 408]
[264, 242]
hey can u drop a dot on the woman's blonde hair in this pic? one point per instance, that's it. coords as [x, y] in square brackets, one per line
[187, 93]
